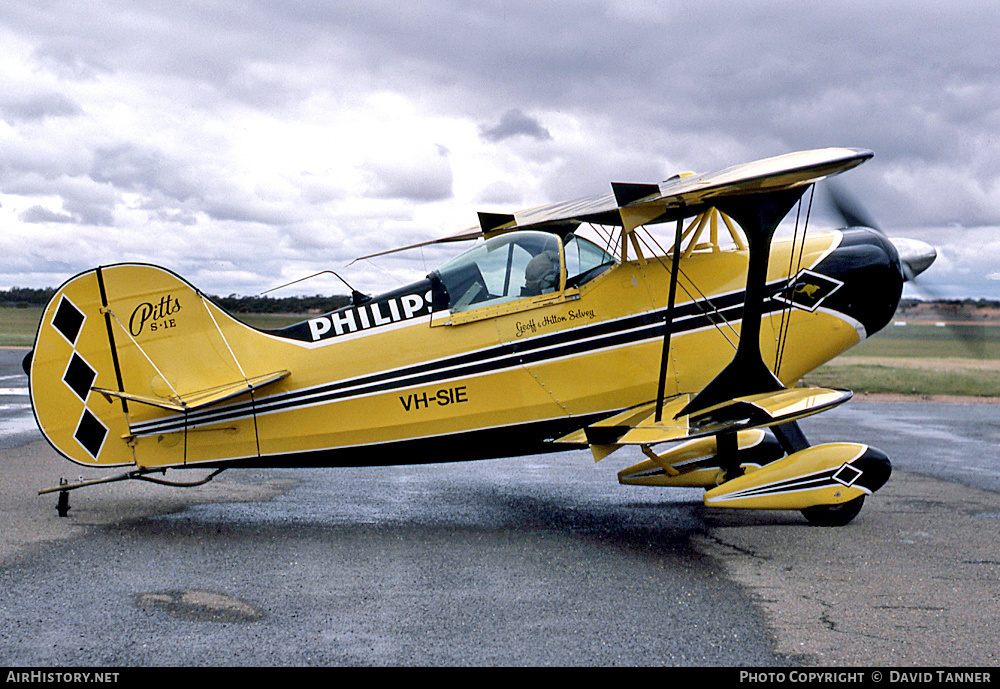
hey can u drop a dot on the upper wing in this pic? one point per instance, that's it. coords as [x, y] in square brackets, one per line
[631, 205]
[684, 196]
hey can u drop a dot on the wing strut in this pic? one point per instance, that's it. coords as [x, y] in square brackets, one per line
[669, 326]
[747, 374]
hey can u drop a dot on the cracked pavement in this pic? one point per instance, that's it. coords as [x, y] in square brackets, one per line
[912, 581]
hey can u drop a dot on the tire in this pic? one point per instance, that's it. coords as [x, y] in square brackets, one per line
[834, 515]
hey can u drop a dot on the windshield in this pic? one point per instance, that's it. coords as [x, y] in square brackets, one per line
[584, 260]
[508, 267]
[519, 264]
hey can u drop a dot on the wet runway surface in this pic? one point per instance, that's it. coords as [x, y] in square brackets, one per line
[17, 424]
[531, 561]
[536, 561]
[950, 441]
[436, 565]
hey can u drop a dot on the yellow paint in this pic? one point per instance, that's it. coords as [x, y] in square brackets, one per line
[810, 461]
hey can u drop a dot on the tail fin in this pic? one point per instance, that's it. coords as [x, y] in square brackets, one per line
[128, 346]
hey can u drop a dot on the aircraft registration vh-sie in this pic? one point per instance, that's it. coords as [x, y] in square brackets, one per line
[536, 339]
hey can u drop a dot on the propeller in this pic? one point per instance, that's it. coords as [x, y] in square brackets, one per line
[915, 256]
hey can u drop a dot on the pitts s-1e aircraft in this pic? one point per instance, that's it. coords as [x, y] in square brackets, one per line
[534, 340]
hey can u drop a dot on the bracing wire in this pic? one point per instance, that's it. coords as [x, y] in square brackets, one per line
[701, 299]
[608, 237]
[603, 234]
[789, 289]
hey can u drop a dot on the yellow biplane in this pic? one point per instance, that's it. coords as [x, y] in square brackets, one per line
[536, 339]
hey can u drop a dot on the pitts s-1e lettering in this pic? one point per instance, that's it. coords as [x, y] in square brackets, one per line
[536, 339]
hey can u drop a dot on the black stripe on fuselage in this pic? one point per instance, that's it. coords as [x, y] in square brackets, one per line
[613, 333]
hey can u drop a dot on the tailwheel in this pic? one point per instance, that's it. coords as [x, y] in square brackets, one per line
[834, 515]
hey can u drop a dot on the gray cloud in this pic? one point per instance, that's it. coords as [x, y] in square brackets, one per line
[37, 107]
[130, 167]
[515, 123]
[39, 214]
[424, 178]
[70, 60]
[627, 90]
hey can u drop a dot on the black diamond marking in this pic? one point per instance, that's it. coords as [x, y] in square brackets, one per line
[90, 433]
[847, 475]
[809, 290]
[68, 320]
[79, 376]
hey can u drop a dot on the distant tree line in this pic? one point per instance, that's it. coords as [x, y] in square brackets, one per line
[950, 303]
[315, 304]
[23, 297]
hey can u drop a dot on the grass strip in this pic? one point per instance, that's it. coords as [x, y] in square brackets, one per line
[907, 380]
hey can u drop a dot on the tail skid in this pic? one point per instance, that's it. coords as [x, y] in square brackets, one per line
[136, 475]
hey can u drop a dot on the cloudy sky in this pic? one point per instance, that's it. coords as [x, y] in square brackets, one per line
[245, 144]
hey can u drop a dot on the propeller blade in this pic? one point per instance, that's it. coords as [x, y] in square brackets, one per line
[850, 209]
[972, 337]
[915, 257]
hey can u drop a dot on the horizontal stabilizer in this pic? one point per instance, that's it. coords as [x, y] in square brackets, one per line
[200, 398]
[125, 352]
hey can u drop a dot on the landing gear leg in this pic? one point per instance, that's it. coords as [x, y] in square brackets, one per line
[728, 448]
[790, 436]
[62, 507]
[792, 439]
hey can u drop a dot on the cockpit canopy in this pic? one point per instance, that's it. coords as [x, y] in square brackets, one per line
[517, 265]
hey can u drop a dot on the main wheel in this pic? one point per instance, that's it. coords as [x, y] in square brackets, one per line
[834, 515]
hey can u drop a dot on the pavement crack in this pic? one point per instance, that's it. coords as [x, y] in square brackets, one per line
[824, 617]
[735, 548]
[926, 608]
[827, 620]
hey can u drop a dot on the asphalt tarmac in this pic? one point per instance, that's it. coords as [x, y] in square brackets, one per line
[520, 562]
